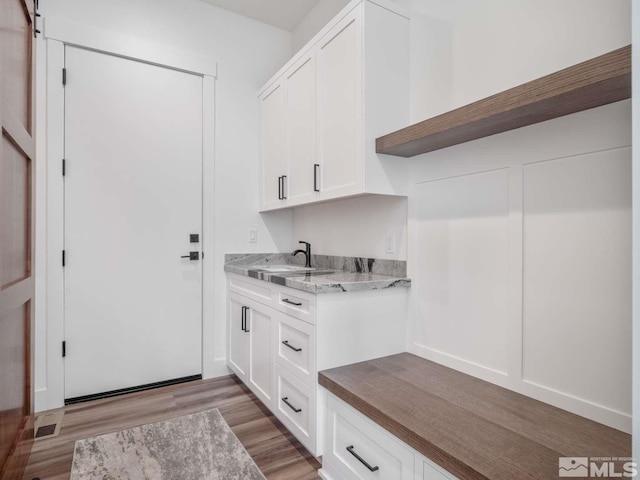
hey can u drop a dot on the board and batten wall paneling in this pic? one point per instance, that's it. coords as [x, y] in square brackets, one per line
[461, 239]
[577, 270]
[519, 251]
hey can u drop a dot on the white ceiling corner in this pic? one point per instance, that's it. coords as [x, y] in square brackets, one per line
[284, 14]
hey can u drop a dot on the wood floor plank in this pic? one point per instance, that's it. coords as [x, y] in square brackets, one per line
[276, 452]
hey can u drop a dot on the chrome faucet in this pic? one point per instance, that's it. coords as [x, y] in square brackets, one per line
[307, 254]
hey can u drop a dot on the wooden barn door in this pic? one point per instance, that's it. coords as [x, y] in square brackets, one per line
[17, 150]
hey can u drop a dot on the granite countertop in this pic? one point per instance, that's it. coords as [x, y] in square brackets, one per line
[331, 273]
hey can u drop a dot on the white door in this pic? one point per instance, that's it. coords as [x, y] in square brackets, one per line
[300, 130]
[133, 196]
[238, 347]
[274, 160]
[339, 60]
[260, 324]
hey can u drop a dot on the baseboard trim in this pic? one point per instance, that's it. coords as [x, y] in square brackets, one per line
[123, 391]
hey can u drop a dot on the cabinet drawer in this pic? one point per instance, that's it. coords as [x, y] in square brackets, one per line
[358, 449]
[296, 303]
[257, 290]
[296, 349]
[296, 407]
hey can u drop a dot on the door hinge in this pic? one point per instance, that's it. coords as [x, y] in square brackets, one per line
[64, 349]
[64, 167]
[64, 257]
[64, 76]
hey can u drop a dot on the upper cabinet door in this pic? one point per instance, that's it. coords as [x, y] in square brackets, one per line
[301, 129]
[340, 107]
[273, 152]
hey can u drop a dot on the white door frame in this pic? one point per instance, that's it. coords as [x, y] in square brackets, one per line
[58, 34]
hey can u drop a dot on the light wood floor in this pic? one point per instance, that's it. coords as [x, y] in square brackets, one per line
[276, 452]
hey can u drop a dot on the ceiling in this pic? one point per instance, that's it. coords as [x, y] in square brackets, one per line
[284, 14]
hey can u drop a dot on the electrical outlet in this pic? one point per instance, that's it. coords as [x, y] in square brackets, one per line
[253, 235]
[390, 243]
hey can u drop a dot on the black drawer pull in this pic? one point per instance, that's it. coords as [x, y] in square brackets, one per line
[284, 190]
[297, 304]
[361, 460]
[286, 344]
[297, 410]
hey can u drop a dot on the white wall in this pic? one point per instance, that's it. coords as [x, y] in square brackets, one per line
[313, 22]
[636, 229]
[498, 44]
[248, 53]
[463, 51]
[371, 217]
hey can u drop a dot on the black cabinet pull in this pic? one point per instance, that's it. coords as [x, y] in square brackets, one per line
[286, 300]
[316, 166]
[361, 460]
[297, 410]
[284, 190]
[286, 344]
[244, 319]
[279, 188]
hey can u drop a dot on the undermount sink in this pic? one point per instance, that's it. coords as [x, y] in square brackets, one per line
[282, 268]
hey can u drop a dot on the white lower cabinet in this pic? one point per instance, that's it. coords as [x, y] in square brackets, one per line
[357, 448]
[250, 356]
[279, 338]
[260, 325]
[238, 343]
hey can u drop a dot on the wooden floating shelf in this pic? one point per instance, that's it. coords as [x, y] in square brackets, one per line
[599, 81]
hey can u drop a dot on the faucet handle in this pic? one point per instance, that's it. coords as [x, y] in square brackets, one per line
[306, 243]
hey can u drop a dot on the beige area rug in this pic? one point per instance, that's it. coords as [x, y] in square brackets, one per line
[193, 447]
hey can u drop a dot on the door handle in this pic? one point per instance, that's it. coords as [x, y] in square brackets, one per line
[244, 319]
[192, 256]
[316, 166]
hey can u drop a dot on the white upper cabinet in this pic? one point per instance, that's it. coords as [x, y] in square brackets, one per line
[340, 105]
[301, 129]
[274, 161]
[323, 111]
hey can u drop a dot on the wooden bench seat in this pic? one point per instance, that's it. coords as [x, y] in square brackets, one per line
[471, 428]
